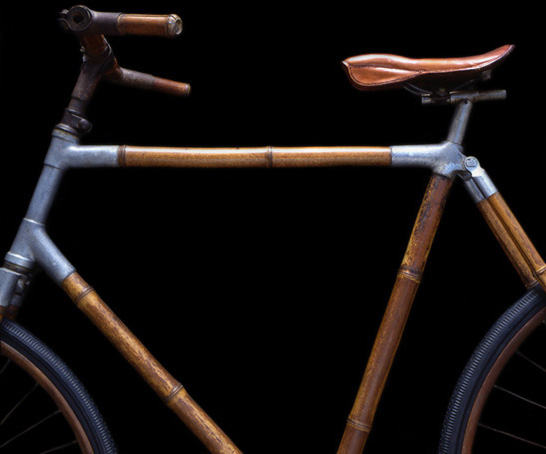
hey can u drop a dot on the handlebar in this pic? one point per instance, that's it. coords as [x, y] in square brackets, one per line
[83, 21]
[90, 27]
[144, 81]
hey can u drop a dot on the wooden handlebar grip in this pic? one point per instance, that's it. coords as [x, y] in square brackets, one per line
[84, 21]
[150, 25]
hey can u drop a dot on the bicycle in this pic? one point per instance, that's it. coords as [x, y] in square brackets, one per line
[270, 153]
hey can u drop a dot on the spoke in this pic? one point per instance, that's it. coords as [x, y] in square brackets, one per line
[531, 361]
[19, 403]
[504, 390]
[515, 437]
[30, 428]
[5, 366]
[58, 448]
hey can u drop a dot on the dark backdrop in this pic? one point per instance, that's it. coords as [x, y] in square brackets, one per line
[262, 290]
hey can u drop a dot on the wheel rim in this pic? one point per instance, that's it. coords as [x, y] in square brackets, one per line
[17, 429]
[477, 424]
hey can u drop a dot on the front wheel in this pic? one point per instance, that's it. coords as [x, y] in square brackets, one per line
[43, 406]
[499, 403]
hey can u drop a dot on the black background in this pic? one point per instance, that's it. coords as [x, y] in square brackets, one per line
[262, 290]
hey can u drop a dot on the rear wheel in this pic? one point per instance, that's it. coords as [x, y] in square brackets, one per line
[499, 403]
[43, 406]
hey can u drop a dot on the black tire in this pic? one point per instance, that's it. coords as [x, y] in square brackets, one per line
[74, 418]
[498, 360]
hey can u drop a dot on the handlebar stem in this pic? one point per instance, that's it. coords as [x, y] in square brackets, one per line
[98, 59]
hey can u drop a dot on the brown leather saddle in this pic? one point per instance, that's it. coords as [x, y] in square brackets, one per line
[384, 71]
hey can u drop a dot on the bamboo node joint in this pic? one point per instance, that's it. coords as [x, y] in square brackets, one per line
[270, 156]
[173, 393]
[412, 275]
[358, 425]
[86, 291]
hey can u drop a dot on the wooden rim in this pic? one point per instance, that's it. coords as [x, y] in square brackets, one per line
[46, 384]
[491, 378]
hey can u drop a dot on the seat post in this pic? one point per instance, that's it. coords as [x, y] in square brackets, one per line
[459, 122]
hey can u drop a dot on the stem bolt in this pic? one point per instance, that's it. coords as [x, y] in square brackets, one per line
[83, 124]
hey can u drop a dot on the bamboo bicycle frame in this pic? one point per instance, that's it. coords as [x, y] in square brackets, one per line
[32, 247]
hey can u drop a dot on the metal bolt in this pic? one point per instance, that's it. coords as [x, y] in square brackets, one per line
[84, 124]
[471, 162]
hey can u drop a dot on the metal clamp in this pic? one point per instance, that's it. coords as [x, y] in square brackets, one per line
[476, 180]
[444, 159]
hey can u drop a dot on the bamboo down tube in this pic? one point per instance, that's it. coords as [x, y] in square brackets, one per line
[129, 156]
[171, 392]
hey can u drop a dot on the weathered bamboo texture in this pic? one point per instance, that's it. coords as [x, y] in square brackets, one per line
[129, 156]
[517, 235]
[396, 314]
[507, 243]
[167, 388]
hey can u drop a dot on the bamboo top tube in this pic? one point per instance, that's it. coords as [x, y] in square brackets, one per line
[253, 157]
